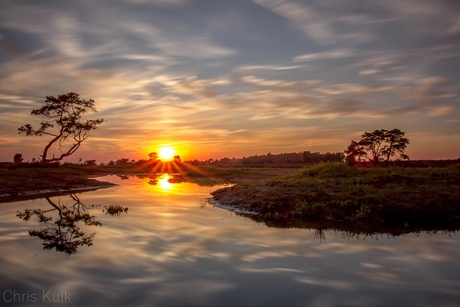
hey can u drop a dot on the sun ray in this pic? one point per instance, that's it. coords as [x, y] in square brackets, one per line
[196, 169]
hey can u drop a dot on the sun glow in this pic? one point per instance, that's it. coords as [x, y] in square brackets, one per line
[166, 153]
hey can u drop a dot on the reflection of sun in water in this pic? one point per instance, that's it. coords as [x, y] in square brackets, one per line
[163, 182]
[166, 153]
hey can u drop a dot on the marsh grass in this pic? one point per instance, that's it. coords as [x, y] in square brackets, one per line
[115, 210]
[337, 192]
[329, 170]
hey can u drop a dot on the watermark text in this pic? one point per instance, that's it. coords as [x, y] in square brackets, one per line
[45, 296]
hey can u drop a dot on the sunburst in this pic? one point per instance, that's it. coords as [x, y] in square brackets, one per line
[166, 153]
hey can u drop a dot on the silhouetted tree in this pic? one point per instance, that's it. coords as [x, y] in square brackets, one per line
[62, 120]
[18, 158]
[355, 152]
[378, 146]
[177, 159]
[153, 156]
[396, 145]
[122, 162]
[90, 162]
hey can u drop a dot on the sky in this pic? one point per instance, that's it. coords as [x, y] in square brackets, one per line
[216, 78]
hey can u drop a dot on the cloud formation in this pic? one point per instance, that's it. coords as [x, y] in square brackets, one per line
[234, 78]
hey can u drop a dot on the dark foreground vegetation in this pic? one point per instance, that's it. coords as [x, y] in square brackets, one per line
[334, 195]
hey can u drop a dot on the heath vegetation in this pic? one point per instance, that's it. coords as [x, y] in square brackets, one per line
[338, 193]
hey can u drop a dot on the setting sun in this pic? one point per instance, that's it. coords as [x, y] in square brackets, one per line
[166, 153]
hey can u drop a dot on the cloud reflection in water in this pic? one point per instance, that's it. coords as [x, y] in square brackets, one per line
[169, 250]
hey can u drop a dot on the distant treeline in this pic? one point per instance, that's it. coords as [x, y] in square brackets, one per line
[295, 159]
[274, 159]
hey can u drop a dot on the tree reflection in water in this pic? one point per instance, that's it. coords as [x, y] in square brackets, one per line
[63, 233]
[319, 235]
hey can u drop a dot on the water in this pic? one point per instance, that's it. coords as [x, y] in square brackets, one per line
[172, 248]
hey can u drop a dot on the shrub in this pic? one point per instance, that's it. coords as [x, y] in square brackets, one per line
[329, 170]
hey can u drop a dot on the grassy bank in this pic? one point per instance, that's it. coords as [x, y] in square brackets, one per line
[337, 195]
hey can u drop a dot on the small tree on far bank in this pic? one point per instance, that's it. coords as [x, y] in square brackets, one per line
[153, 156]
[62, 120]
[378, 146]
[17, 159]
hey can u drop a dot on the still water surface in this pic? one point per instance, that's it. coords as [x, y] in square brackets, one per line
[172, 248]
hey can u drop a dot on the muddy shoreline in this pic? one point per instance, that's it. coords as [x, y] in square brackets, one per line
[21, 184]
[25, 195]
[231, 207]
